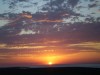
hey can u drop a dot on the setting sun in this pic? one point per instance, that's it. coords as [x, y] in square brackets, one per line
[50, 63]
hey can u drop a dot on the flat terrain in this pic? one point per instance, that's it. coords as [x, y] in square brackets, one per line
[50, 71]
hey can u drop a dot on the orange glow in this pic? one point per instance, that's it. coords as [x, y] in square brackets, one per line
[27, 16]
[50, 63]
[47, 20]
[50, 59]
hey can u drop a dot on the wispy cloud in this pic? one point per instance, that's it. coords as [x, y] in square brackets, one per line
[87, 46]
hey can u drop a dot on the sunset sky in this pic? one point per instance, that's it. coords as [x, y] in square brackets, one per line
[46, 32]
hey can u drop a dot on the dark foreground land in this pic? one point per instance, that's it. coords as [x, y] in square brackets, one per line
[50, 71]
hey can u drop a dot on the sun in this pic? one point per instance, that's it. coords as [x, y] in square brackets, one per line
[50, 63]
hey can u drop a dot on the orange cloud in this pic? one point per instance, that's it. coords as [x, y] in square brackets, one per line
[47, 20]
[27, 16]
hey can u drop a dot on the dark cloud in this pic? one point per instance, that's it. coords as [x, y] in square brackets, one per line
[44, 23]
[80, 7]
[73, 2]
[92, 5]
[92, 0]
[89, 31]
[12, 4]
[23, 0]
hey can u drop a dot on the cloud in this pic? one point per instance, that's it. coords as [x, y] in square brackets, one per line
[80, 7]
[87, 46]
[52, 46]
[46, 48]
[92, 0]
[48, 21]
[3, 22]
[92, 5]
[73, 2]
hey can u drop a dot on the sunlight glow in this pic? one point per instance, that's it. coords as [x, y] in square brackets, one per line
[50, 63]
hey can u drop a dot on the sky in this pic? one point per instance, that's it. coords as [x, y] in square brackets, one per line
[20, 6]
[82, 6]
[49, 32]
[87, 8]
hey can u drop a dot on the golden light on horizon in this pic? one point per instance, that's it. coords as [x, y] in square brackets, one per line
[53, 59]
[50, 63]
